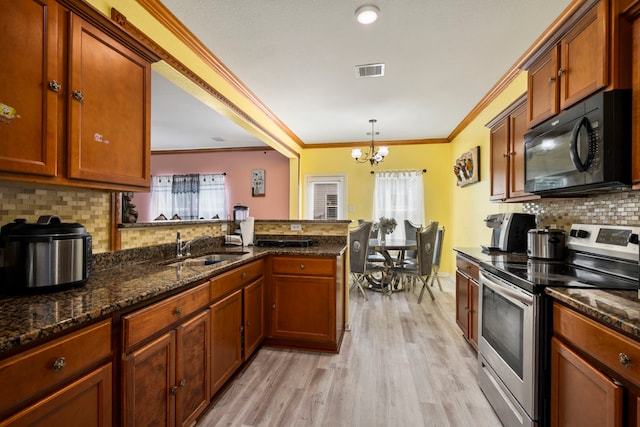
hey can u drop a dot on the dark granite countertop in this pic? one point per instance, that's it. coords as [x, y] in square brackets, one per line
[29, 318]
[617, 309]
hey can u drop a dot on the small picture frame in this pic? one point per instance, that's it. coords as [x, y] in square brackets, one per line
[467, 167]
[258, 183]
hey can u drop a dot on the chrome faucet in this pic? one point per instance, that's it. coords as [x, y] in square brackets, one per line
[185, 249]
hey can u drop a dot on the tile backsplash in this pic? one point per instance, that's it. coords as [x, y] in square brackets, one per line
[91, 208]
[612, 208]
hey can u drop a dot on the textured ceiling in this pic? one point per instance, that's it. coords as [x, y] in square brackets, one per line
[298, 57]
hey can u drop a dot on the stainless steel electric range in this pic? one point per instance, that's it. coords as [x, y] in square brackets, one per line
[515, 323]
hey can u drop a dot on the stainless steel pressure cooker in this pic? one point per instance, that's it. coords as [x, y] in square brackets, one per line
[546, 243]
[43, 256]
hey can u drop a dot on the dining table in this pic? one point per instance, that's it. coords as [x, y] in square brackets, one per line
[389, 281]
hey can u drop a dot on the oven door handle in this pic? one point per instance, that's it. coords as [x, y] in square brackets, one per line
[507, 292]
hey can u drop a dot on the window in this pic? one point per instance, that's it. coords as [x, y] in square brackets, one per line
[195, 196]
[325, 197]
[399, 195]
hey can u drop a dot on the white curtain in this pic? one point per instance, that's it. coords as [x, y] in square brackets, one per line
[213, 197]
[161, 197]
[186, 190]
[399, 195]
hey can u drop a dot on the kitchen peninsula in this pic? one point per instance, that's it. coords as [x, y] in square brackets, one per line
[85, 344]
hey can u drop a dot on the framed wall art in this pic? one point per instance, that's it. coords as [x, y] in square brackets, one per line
[258, 183]
[467, 167]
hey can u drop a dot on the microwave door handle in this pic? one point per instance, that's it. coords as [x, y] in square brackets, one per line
[573, 151]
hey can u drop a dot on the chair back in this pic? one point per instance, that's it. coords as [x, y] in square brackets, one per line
[437, 252]
[359, 247]
[410, 233]
[426, 248]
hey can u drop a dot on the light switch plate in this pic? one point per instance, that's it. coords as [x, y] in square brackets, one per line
[296, 227]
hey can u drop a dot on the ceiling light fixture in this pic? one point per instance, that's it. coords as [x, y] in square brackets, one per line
[367, 14]
[372, 156]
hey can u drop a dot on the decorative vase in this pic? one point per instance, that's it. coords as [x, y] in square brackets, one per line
[383, 237]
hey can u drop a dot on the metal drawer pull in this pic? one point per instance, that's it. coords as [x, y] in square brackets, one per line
[59, 364]
[55, 86]
[244, 275]
[178, 310]
[301, 266]
[624, 360]
[78, 95]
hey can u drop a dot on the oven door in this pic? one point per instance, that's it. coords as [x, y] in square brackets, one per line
[507, 349]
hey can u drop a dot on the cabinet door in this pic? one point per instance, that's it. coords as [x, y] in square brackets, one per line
[499, 173]
[580, 394]
[192, 368]
[462, 303]
[226, 336]
[148, 376]
[303, 308]
[253, 316]
[474, 293]
[85, 402]
[518, 127]
[29, 62]
[542, 92]
[109, 109]
[583, 57]
[635, 105]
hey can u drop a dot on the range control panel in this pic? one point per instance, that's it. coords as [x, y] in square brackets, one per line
[619, 241]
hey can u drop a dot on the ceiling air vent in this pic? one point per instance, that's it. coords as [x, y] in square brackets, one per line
[370, 70]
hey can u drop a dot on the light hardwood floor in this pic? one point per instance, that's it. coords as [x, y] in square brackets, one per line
[402, 364]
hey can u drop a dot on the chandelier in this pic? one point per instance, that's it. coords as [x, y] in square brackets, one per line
[372, 156]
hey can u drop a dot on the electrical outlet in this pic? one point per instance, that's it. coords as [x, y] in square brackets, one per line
[223, 227]
[296, 227]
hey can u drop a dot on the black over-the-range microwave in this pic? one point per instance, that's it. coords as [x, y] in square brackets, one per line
[585, 149]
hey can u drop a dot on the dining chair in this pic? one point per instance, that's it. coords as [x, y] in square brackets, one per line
[358, 256]
[437, 255]
[426, 240]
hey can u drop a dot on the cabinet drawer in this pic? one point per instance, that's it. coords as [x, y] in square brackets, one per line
[37, 370]
[468, 268]
[143, 323]
[600, 342]
[305, 266]
[227, 282]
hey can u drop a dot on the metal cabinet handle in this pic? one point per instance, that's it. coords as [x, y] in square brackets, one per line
[243, 275]
[624, 360]
[562, 72]
[78, 95]
[301, 266]
[178, 310]
[182, 383]
[173, 390]
[273, 306]
[59, 364]
[54, 86]
[551, 80]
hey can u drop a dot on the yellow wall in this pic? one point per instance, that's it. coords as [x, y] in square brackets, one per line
[432, 157]
[470, 205]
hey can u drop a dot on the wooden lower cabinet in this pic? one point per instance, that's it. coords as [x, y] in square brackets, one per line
[306, 301]
[226, 339]
[85, 402]
[253, 317]
[467, 298]
[580, 394]
[594, 378]
[66, 381]
[165, 377]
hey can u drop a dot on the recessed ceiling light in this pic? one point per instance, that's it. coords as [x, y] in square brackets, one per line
[367, 14]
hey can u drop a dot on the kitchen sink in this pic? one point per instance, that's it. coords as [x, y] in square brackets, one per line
[204, 260]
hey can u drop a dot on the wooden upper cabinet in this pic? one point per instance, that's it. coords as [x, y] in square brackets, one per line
[589, 51]
[507, 153]
[499, 144]
[584, 57]
[75, 95]
[109, 105]
[543, 88]
[29, 62]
